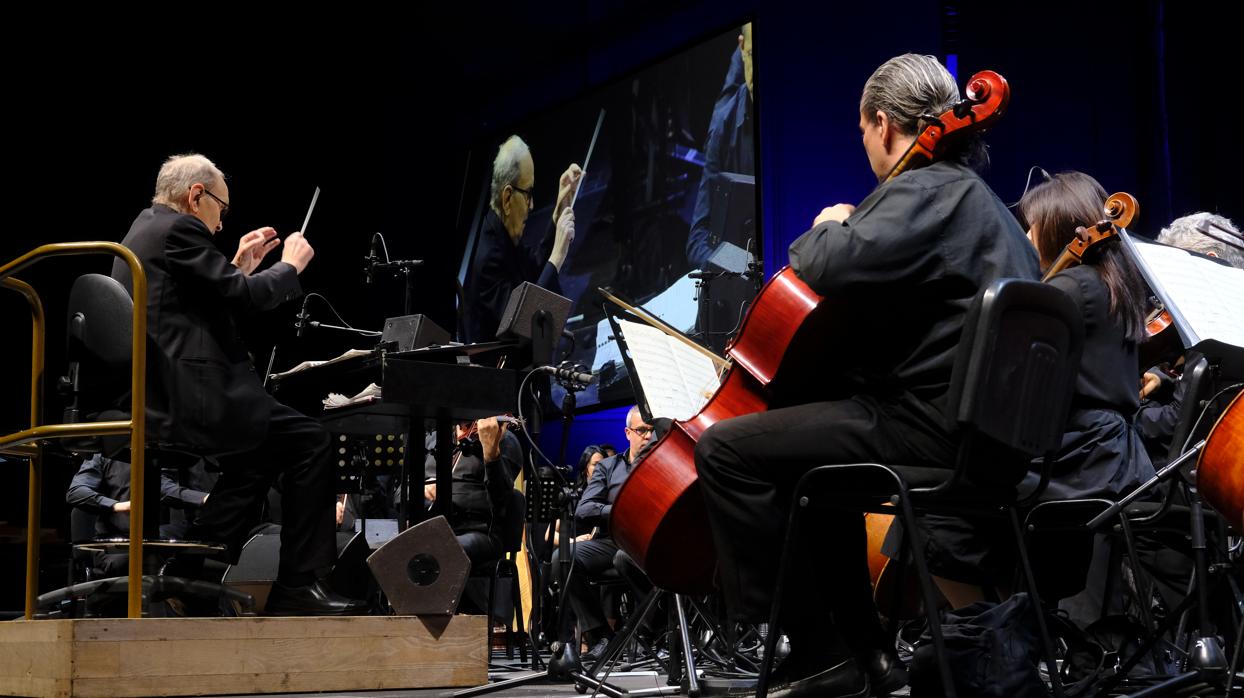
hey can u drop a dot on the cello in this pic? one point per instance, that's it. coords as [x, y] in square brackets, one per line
[659, 516]
[1121, 209]
[1220, 467]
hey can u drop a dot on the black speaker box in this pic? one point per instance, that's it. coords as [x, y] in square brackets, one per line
[257, 566]
[413, 332]
[527, 300]
[422, 570]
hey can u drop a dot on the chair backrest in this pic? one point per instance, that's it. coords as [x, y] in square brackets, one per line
[1199, 382]
[1016, 370]
[100, 331]
[511, 533]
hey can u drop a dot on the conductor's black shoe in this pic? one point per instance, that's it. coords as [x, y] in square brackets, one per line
[843, 680]
[885, 671]
[314, 599]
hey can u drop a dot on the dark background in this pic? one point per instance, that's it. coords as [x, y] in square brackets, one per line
[382, 110]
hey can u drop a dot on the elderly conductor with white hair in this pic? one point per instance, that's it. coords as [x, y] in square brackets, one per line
[502, 262]
[203, 394]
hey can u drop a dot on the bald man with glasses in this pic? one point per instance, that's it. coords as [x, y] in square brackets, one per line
[593, 557]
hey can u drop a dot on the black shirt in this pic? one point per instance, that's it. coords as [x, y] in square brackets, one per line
[907, 264]
[1109, 364]
[102, 482]
[1101, 454]
[481, 490]
[596, 503]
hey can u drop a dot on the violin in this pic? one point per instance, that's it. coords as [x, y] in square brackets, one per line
[469, 431]
[1161, 342]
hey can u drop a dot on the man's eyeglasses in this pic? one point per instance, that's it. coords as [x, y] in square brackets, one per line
[224, 205]
[641, 430]
[527, 193]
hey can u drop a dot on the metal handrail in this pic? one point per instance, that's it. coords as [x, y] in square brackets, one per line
[29, 442]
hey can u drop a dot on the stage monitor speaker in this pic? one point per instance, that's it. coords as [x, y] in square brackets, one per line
[422, 570]
[257, 566]
[413, 332]
[527, 300]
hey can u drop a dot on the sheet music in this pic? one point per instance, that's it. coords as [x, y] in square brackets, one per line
[369, 394]
[349, 354]
[677, 380]
[1207, 296]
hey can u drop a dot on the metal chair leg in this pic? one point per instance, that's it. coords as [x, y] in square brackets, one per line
[930, 596]
[1047, 646]
[766, 667]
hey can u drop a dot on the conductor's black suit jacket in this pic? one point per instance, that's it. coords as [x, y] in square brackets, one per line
[203, 393]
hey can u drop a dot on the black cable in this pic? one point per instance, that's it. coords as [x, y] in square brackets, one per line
[330, 306]
[1205, 410]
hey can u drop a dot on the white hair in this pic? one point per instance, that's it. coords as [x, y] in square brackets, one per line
[178, 174]
[505, 168]
[1198, 232]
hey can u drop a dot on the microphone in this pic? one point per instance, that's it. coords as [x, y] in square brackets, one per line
[567, 372]
[302, 316]
[371, 260]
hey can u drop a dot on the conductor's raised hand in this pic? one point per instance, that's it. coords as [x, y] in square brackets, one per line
[563, 236]
[253, 247]
[297, 252]
[566, 185]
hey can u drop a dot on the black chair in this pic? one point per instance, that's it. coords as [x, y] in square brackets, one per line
[1168, 518]
[506, 567]
[1010, 392]
[97, 385]
[81, 530]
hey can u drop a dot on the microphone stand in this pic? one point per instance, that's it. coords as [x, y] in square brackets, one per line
[403, 267]
[316, 325]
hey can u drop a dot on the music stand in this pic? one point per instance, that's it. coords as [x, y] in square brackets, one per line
[1196, 291]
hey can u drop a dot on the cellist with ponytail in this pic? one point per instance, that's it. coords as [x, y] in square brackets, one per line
[903, 267]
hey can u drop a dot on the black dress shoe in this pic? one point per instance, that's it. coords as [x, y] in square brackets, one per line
[843, 680]
[314, 599]
[595, 652]
[885, 671]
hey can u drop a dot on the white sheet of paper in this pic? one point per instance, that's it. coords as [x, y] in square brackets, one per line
[677, 380]
[1209, 296]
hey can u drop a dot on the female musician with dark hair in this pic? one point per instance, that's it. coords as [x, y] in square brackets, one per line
[1102, 454]
[587, 463]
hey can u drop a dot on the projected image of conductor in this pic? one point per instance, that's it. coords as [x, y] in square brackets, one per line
[722, 243]
[502, 260]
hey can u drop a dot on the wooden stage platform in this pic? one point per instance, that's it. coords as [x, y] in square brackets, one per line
[249, 655]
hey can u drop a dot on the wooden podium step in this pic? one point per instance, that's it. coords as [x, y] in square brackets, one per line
[201, 656]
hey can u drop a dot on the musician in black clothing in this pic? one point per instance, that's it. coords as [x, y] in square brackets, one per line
[501, 261]
[906, 265]
[1162, 392]
[204, 395]
[102, 487]
[1102, 455]
[485, 466]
